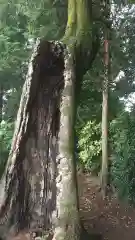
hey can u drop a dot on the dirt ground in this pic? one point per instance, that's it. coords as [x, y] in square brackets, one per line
[111, 218]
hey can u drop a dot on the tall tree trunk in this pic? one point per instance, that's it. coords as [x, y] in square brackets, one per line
[40, 179]
[104, 169]
[105, 166]
[1, 102]
[67, 226]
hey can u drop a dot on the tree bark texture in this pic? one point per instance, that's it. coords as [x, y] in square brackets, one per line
[67, 225]
[104, 169]
[42, 152]
[105, 165]
[81, 36]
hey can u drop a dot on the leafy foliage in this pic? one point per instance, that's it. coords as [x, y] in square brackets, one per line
[123, 164]
[90, 146]
[6, 133]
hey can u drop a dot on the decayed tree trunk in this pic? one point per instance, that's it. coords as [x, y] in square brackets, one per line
[30, 180]
[40, 189]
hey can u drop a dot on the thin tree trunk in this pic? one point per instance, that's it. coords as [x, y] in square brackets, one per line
[1, 102]
[105, 166]
[104, 169]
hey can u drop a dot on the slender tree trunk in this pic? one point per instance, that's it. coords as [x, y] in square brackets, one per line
[105, 166]
[104, 169]
[1, 102]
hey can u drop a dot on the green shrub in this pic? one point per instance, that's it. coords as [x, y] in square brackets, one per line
[89, 144]
[6, 133]
[123, 164]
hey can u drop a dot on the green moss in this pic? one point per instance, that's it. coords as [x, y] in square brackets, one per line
[78, 35]
[72, 18]
[79, 22]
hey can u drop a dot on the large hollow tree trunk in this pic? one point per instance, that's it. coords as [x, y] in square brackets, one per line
[40, 189]
[30, 180]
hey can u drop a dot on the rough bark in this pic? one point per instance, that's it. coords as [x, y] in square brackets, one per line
[67, 226]
[39, 185]
[29, 197]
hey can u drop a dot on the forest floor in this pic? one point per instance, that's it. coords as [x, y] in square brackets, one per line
[111, 218]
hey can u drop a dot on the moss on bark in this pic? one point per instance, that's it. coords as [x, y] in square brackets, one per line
[79, 40]
[79, 22]
[80, 37]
